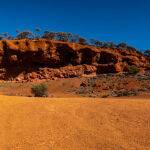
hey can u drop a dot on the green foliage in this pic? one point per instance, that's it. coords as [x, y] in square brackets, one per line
[49, 35]
[82, 41]
[125, 92]
[96, 43]
[122, 46]
[24, 35]
[40, 90]
[133, 70]
[37, 33]
[5, 35]
[147, 53]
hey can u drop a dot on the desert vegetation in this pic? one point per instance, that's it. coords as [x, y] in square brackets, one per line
[111, 85]
[65, 37]
[101, 86]
[147, 53]
[40, 90]
[133, 70]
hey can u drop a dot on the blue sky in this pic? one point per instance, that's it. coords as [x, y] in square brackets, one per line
[107, 20]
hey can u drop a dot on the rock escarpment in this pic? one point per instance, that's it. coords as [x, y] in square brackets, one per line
[29, 60]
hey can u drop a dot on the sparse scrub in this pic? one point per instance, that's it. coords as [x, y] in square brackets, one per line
[24, 35]
[124, 92]
[105, 96]
[133, 70]
[40, 90]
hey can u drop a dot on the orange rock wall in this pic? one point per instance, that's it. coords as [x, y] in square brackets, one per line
[27, 60]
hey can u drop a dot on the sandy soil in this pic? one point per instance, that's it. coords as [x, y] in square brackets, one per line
[74, 124]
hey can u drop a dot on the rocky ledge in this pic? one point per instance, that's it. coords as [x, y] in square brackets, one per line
[31, 60]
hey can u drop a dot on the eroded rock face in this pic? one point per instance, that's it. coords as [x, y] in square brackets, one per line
[29, 60]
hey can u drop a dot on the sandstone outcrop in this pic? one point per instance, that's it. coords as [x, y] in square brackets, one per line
[29, 60]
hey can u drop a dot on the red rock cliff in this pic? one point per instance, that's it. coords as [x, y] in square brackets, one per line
[27, 60]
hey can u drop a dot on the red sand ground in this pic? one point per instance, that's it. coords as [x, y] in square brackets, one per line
[74, 124]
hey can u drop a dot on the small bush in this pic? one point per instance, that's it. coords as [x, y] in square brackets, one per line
[40, 90]
[125, 92]
[105, 96]
[133, 70]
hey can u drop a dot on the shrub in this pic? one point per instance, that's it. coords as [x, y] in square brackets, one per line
[133, 70]
[125, 92]
[122, 46]
[24, 35]
[82, 41]
[147, 53]
[105, 96]
[40, 90]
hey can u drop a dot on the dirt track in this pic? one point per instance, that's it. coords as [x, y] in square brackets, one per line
[74, 124]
